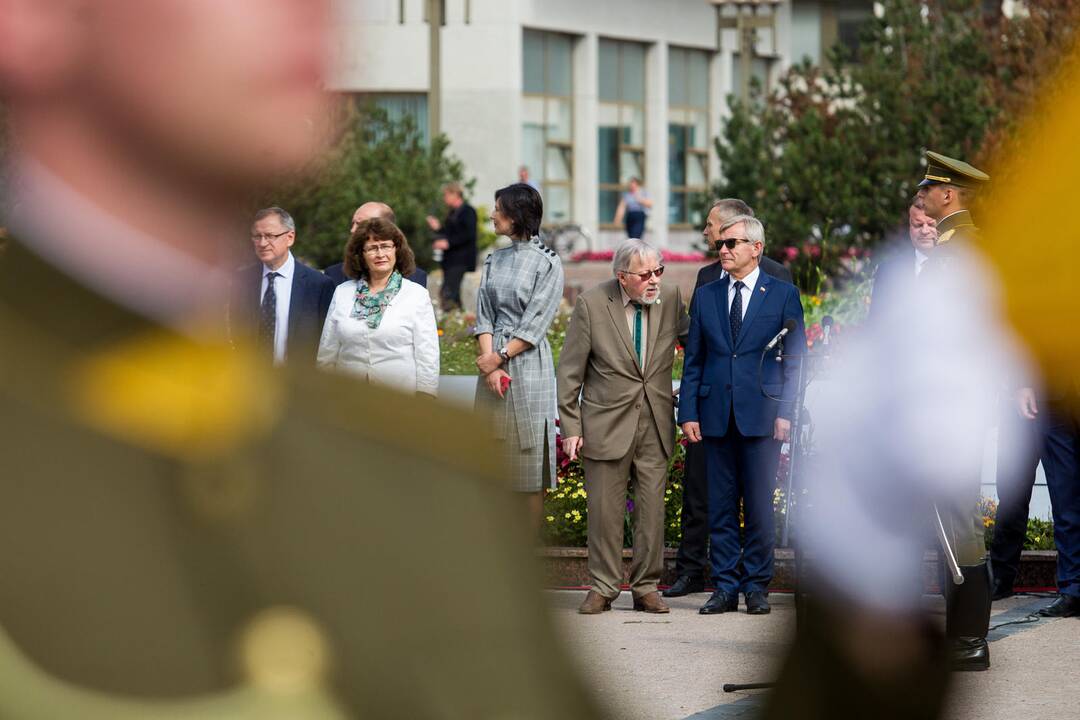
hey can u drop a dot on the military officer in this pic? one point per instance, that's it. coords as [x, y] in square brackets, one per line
[186, 531]
[947, 191]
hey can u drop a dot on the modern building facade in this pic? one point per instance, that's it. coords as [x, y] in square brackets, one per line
[584, 93]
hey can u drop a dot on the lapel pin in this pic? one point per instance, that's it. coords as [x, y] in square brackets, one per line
[762, 289]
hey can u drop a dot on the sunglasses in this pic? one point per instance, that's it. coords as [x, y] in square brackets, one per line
[645, 275]
[730, 243]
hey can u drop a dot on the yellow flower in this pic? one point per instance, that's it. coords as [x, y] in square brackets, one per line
[567, 516]
[551, 518]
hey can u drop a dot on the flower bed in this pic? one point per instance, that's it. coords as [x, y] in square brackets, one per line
[566, 512]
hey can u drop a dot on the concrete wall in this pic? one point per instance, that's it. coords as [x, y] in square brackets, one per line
[380, 49]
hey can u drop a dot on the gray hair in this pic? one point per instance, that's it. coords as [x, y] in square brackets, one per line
[630, 249]
[286, 219]
[729, 207]
[755, 231]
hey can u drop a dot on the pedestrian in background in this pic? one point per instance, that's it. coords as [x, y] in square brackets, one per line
[634, 209]
[456, 240]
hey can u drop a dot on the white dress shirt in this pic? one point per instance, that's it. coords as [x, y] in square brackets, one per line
[402, 353]
[749, 283]
[920, 260]
[283, 291]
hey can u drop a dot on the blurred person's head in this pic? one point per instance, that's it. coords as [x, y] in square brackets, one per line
[943, 199]
[377, 248]
[453, 195]
[370, 210]
[163, 100]
[741, 242]
[922, 229]
[720, 212]
[273, 232]
[518, 212]
[633, 184]
[523, 174]
[638, 268]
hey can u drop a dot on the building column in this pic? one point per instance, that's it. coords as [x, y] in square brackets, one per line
[719, 88]
[586, 110]
[656, 141]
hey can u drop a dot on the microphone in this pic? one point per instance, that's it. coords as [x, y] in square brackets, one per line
[789, 325]
[826, 329]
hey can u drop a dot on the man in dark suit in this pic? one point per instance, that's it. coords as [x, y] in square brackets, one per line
[457, 241]
[292, 300]
[690, 562]
[368, 211]
[742, 408]
[897, 272]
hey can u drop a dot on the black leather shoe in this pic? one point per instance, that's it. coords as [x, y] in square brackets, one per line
[720, 602]
[756, 604]
[1064, 606]
[1001, 591]
[970, 654]
[685, 585]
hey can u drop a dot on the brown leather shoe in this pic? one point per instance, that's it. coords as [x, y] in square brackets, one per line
[651, 603]
[594, 604]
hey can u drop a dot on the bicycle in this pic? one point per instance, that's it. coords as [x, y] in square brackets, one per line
[567, 240]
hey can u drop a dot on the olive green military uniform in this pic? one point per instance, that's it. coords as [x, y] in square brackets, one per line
[188, 533]
[967, 606]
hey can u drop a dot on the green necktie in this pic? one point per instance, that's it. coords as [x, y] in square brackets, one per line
[637, 332]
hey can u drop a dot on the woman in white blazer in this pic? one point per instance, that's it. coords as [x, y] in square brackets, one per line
[380, 326]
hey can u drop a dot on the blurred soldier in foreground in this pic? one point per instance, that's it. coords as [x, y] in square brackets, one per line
[947, 192]
[185, 530]
[886, 453]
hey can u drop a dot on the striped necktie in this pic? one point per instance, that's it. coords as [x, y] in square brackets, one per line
[268, 314]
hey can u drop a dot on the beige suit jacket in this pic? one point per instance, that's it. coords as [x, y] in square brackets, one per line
[601, 387]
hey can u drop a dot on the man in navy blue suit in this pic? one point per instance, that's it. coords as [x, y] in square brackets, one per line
[691, 563]
[280, 298]
[741, 406]
[368, 211]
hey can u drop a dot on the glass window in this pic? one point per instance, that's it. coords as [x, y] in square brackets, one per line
[559, 65]
[401, 105]
[609, 70]
[688, 134]
[533, 62]
[621, 121]
[677, 77]
[547, 119]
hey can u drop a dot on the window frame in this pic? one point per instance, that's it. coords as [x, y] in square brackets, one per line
[620, 105]
[701, 154]
[564, 147]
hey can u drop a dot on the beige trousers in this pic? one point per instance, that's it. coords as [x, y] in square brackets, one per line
[645, 466]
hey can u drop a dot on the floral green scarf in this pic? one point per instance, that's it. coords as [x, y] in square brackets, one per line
[370, 306]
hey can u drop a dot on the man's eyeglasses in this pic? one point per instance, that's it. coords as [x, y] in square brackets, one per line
[643, 276]
[730, 243]
[380, 248]
[267, 237]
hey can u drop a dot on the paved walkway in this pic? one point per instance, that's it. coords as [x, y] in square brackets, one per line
[672, 667]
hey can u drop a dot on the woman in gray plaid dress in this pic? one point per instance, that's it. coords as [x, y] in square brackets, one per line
[520, 291]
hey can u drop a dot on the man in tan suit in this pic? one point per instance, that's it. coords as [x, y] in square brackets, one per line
[616, 410]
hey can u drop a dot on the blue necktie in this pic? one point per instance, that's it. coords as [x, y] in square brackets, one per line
[736, 312]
